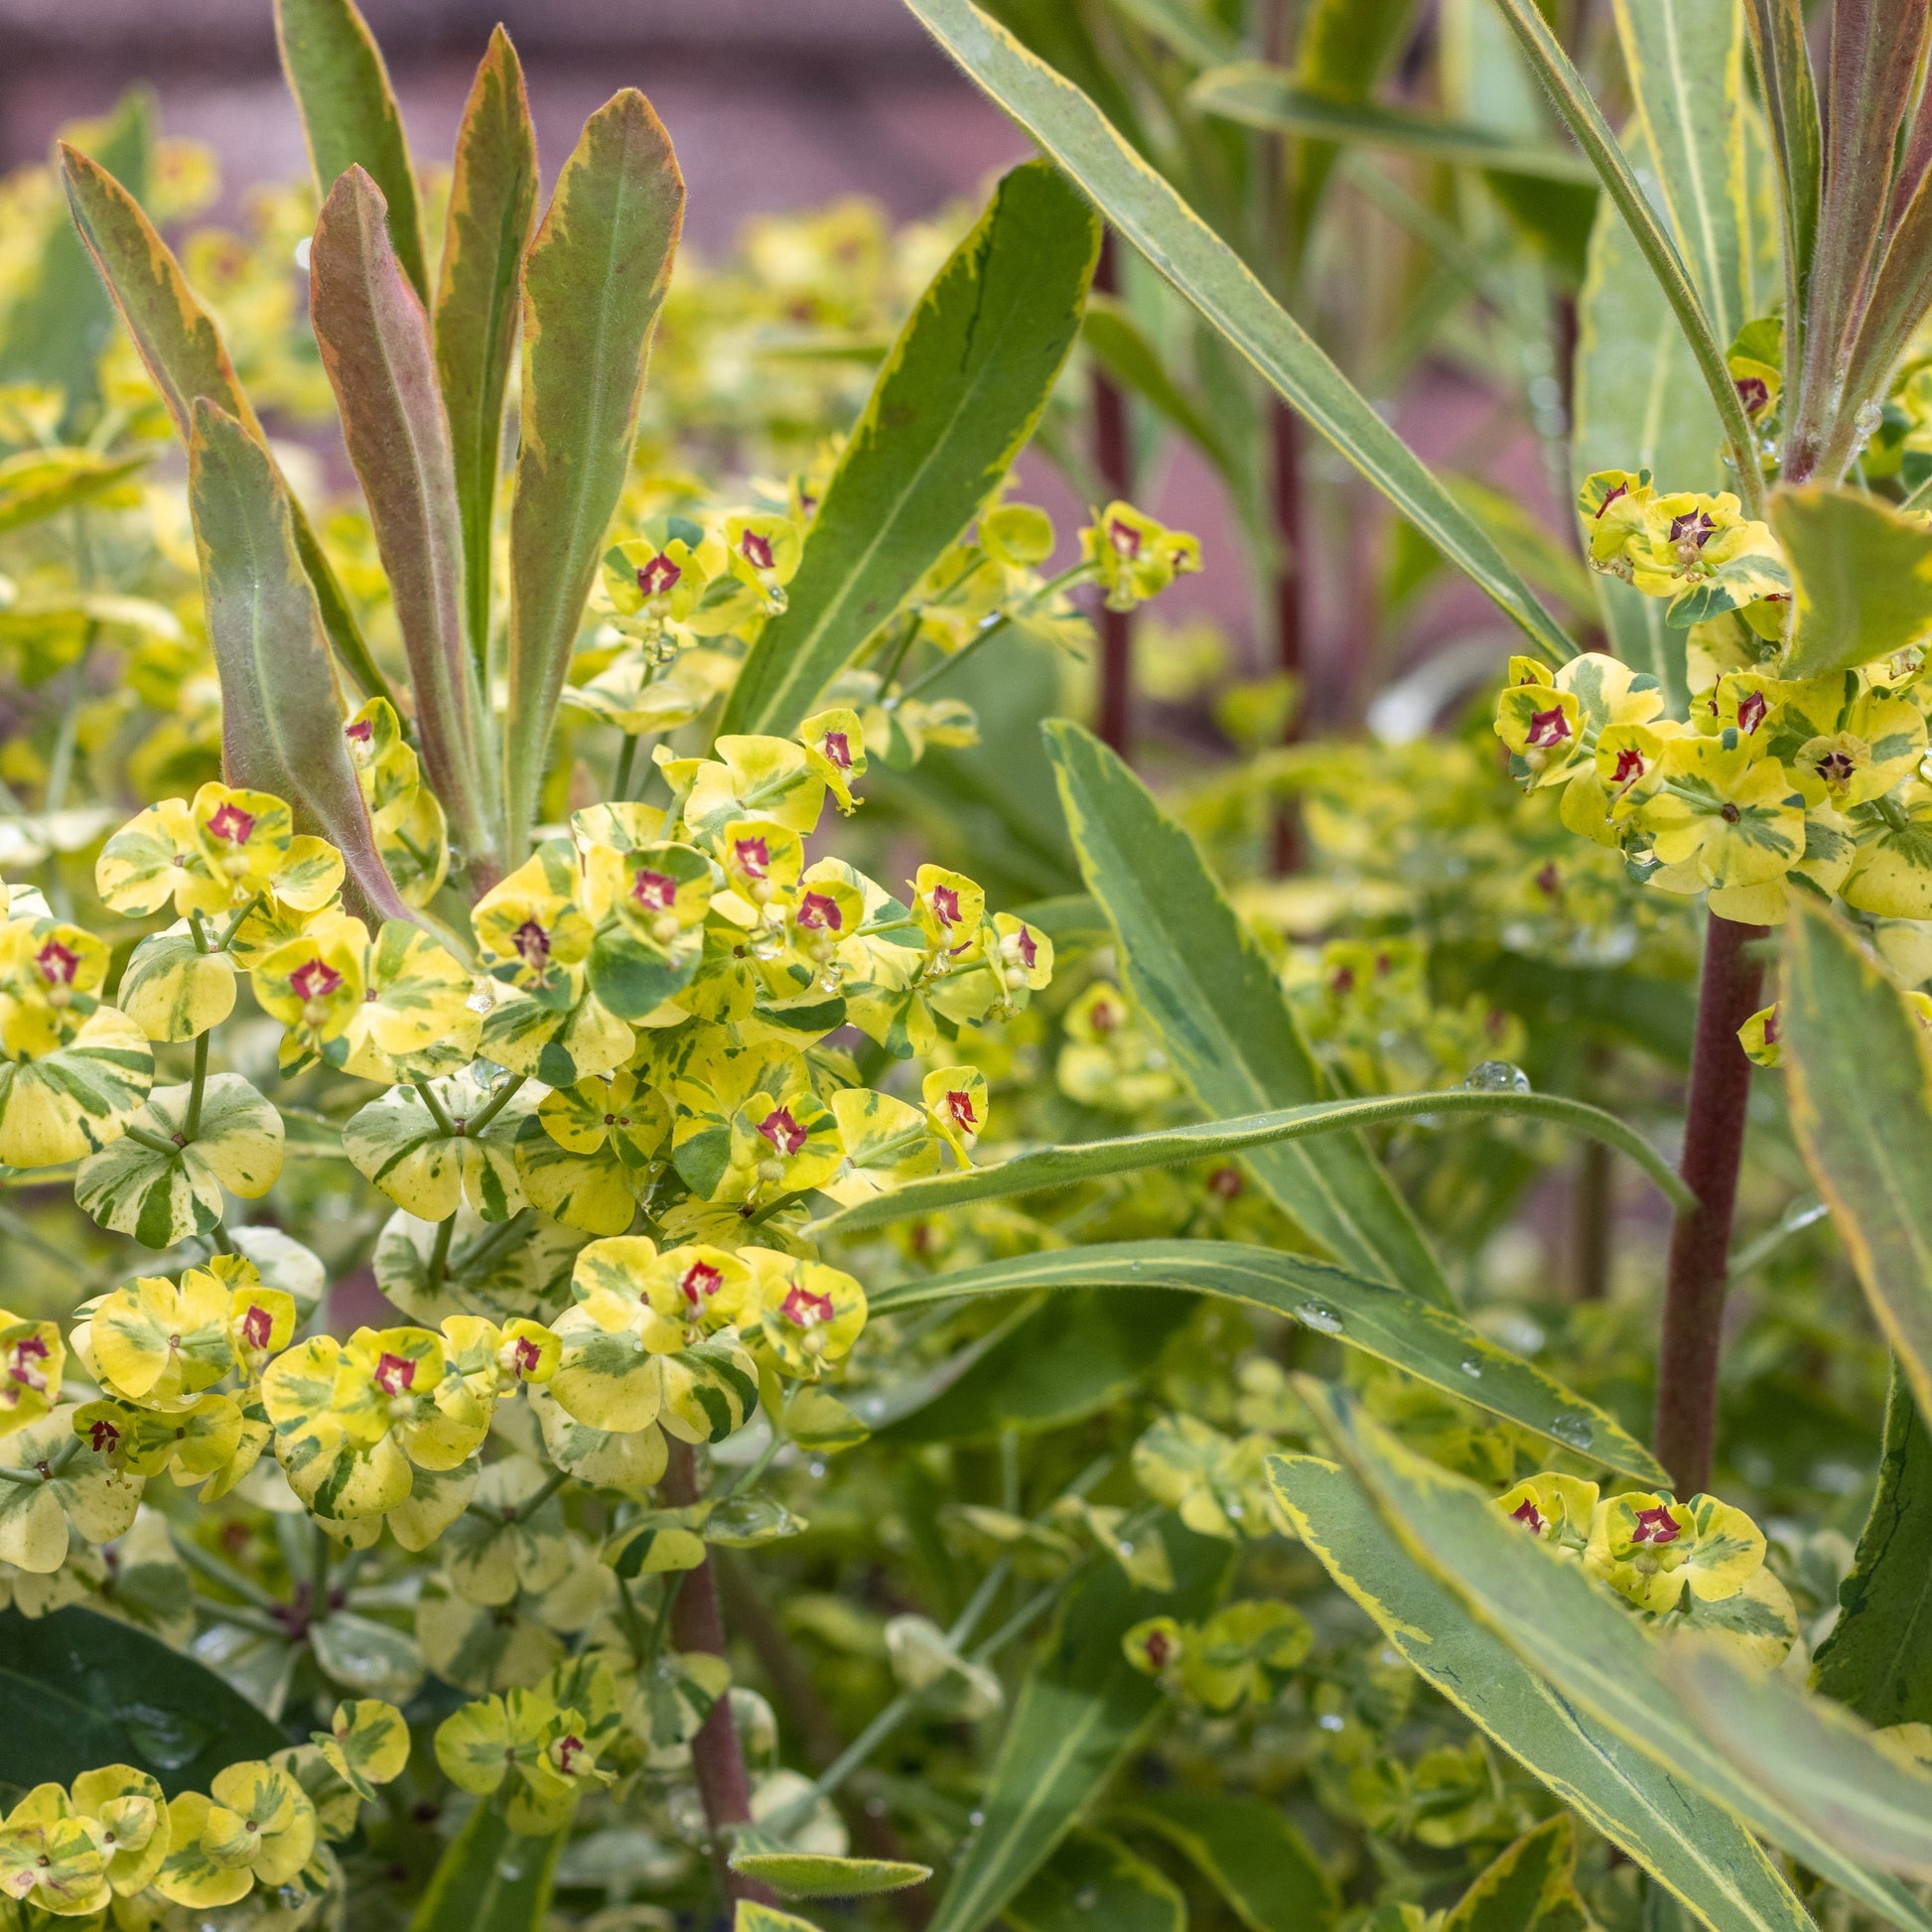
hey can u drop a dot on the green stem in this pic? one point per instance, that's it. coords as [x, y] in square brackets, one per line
[191, 1127]
[497, 1102]
[1593, 135]
[621, 777]
[198, 928]
[233, 927]
[435, 1106]
[439, 1255]
[528, 1507]
[146, 1137]
[243, 1618]
[216, 1572]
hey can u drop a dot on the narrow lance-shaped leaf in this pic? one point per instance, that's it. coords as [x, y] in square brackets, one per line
[1201, 981]
[62, 320]
[1121, 346]
[1790, 91]
[1260, 95]
[1859, 1108]
[349, 116]
[183, 352]
[1878, 1658]
[1429, 1343]
[493, 210]
[281, 714]
[1696, 1849]
[1249, 1850]
[1586, 121]
[1810, 1755]
[1208, 273]
[1579, 1639]
[1182, 29]
[1686, 62]
[953, 406]
[1079, 1713]
[489, 1880]
[373, 335]
[1342, 47]
[1068, 1166]
[1093, 1878]
[593, 284]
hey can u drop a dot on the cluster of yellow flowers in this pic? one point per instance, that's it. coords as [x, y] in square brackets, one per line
[114, 1844]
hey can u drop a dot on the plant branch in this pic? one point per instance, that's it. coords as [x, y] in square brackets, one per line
[1713, 1146]
[717, 1759]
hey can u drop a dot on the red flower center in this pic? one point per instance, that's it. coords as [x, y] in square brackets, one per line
[819, 912]
[1548, 727]
[1549, 880]
[58, 963]
[257, 1326]
[395, 1374]
[569, 1751]
[838, 748]
[1630, 765]
[655, 889]
[784, 1133]
[1227, 1182]
[104, 1436]
[1750, 711]
[1103, 1018]
[1125, 538]
[1158, 1649]
[21, 1369]
[960, 1106]
[1527, 1513]
[754, 857]
[802, 1308]
[1753, 392]
[1692, 530]
[699, 1283]
[230, 822]
[756, 550]
[532, 944]
[1028, 952]
[526, 1355]
[945, 903]
[361, 732]
[1622, 489]
[315, 979]
[1655, 1526]
[658, 576]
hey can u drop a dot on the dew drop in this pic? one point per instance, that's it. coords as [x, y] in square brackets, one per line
[1497, 1076]
[1570, 1428]
[1328, 1721]
[1132, 1267]
[1319, 1315]
[1473, 1369]
[1087, 1897]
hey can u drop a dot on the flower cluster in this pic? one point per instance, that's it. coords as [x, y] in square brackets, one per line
[1699, 1563]
[112, 1844]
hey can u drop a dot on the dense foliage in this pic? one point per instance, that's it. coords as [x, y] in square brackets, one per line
[590, 1341]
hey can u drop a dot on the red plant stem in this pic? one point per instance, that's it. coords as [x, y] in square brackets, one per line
[716, 1758]
[1713, 1146]
[1286, 444]
[1113, 461]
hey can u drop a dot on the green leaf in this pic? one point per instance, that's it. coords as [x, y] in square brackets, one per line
[374, 335]
[1249, 1851]
[1686, 62]
[490, 1879]
[183, 352]
[1586, 1645]
[1259, 95]
[39, 484]
[281, 714]
[78, 1690]
[62, 320]
[1078, 1353]
[493, 213]
[349, 116]
[809, 1874]
[593, 283]
[1079, 1715]
[1204, 269]
[1201, 981]
[1342, 47]
[1121, 346]
[1809, 1756]
[1859, 1111]
[1698, 1851]
[1530, 1887]
[1526, 540]
[1069, 1166]
[1878, 1658]
[1431, 1342]
[1861, 574]
[1182, 28]
[1584, 119]
[955, 403]
[161, 1197]
[1094, 1879]
[1790, 95]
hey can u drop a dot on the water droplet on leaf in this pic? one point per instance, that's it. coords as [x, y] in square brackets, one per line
[1319, 1315]
[1497, 1076]
[1569, 1428]
[1473, 1369]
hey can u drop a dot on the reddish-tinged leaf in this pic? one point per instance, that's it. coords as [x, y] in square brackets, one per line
[183, 352]
[281, 712]
[376, 344]
[493, 208]
[592, 286]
